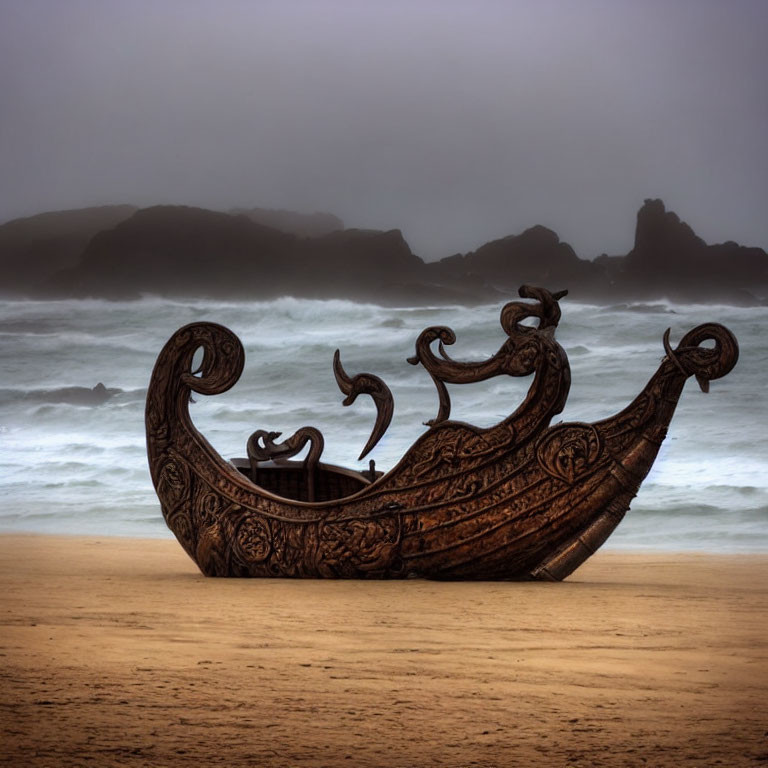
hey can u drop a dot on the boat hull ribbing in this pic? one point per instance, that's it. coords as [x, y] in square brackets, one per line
[520, 500]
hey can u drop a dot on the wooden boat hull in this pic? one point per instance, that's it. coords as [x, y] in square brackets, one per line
[520, 500]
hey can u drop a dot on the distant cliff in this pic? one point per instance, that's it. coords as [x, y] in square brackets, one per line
[292, 222]
[33, 248]
[175, 251]
[183, 251]
[122, 252]
[537, 256]
[669, 259]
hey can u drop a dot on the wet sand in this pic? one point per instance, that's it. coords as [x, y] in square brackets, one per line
[117, 652]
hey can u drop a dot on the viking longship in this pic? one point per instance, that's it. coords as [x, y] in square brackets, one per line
[519, 500]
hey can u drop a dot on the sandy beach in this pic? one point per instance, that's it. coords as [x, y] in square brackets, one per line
[117, 652]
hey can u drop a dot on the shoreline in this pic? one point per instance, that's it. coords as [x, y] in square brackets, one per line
[117, 651]
[606, 549]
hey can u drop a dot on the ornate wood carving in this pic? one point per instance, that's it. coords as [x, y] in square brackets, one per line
[261, 446]
[366, 384]
[519, 500]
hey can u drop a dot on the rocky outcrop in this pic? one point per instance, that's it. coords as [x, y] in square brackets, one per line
[669, 259]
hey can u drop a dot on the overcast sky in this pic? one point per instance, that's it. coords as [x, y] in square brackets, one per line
[456, 122]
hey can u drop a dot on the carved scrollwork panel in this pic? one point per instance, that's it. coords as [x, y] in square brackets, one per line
[252, 540]
[569, 451]
[358, 547]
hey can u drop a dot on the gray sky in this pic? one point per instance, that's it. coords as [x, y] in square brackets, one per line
[457, 122]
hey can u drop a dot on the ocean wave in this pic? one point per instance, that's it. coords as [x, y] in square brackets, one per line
[86, 396]
[87, 460]
[642, 308]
